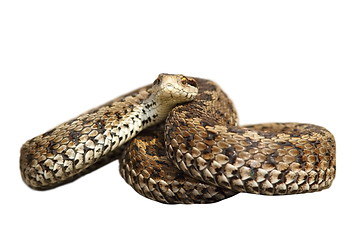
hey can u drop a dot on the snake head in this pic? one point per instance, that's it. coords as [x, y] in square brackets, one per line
[173, 89]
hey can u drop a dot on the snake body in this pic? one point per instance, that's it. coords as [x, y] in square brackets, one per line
[198, 155]
[60, 154]
[271, 159]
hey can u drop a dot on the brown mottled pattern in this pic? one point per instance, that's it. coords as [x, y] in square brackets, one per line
[200, 156]
[146, 168]
[270, 159]
[65, 151]
[68, 150]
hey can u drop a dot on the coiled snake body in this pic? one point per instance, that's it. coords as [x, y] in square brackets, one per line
[198, 155]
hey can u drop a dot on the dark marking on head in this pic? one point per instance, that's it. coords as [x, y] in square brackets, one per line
[188, 81]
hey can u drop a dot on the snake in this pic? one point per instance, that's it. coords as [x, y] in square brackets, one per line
[178, 141]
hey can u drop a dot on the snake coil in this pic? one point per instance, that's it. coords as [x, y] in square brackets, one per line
[198, 155]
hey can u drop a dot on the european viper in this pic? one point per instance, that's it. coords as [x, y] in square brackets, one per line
[198, 155]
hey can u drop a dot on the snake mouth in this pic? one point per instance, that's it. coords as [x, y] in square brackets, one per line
[177, 94]
[180, 93]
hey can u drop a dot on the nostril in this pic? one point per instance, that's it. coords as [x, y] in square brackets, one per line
[156, 82]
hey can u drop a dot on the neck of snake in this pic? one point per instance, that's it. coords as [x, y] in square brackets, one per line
[146, 114]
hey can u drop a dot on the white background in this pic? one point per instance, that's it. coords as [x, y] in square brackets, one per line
[277, 60]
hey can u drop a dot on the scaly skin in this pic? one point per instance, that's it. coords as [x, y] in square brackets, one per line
[60, 154]
[270, 159]
[200, 156]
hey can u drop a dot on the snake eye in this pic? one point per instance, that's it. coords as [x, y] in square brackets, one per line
[185, 81]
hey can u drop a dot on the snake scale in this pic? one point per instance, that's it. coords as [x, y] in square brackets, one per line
[178, 141]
